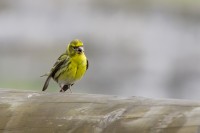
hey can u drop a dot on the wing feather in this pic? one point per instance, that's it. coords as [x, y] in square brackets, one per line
[55, 68]
[87, 65]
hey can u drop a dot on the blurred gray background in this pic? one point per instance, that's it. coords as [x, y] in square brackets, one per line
[145, 48]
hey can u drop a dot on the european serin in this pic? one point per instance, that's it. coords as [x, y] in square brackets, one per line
[69, 67]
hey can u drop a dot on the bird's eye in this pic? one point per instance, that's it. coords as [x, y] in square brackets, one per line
[74, 48]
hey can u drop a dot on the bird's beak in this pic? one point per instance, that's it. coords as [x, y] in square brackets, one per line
[80, 50]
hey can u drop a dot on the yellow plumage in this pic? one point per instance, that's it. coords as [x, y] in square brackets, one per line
[69, 67]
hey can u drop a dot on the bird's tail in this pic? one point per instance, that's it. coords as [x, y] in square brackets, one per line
[46, 83]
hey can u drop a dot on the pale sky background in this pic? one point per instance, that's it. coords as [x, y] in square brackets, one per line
[136, 48]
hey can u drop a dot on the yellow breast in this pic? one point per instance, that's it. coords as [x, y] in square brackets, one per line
[75, 70]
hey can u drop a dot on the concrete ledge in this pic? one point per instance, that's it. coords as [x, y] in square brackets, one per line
[41, 112]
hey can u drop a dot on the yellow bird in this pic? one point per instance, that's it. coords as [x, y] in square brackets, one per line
[69, 67]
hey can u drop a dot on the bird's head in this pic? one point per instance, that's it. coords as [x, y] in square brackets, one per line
[75, 47]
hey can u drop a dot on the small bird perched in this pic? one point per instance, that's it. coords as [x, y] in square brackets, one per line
[69, 67]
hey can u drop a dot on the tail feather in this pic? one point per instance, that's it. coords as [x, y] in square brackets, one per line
[46, 83]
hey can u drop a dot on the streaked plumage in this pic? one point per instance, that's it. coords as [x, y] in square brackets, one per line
[69, 67]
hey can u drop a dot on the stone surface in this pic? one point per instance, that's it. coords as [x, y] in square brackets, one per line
[30, 112]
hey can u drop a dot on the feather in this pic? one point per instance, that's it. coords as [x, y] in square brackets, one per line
[52, 73]
[46, 83]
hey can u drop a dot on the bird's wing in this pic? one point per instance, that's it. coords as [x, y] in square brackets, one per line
[64, 57]
[87, 65]
[60, 59]
[55, 68]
